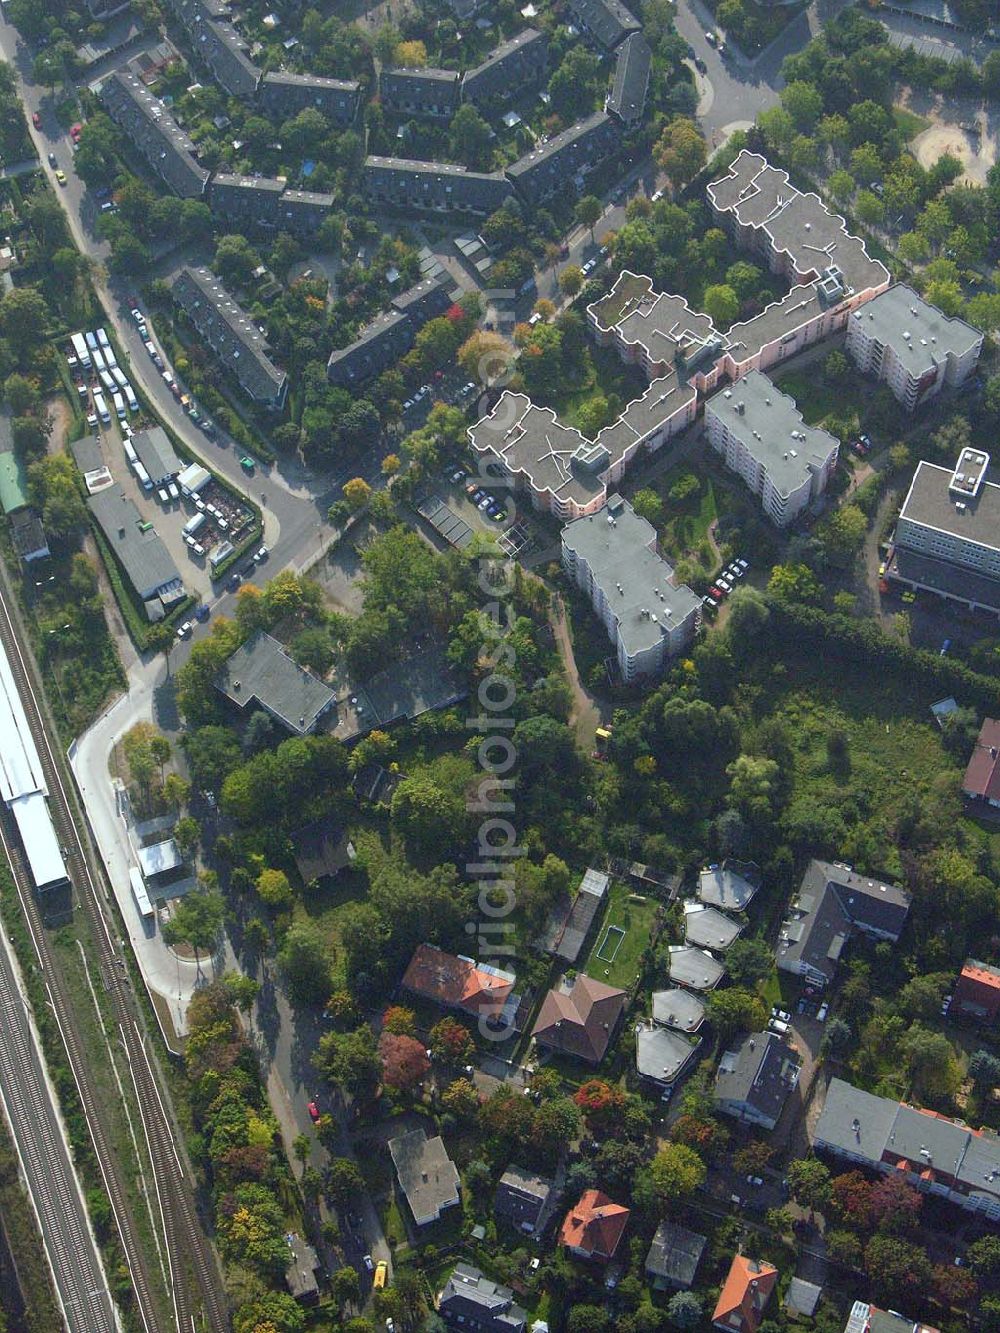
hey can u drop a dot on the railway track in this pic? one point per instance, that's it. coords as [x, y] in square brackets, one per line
[188, 1251]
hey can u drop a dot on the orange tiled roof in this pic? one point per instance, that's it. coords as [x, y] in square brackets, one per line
[595, 1225]
[448, 979]
[979, 972]
[744, 1294]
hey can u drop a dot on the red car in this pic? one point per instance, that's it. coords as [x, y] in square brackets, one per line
[75, 131]
[715, 593]
[36, 120]
[313, 1110]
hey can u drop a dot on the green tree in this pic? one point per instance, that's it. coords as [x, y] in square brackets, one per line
[734, 1010]
[809, 1182]
[749, 961]
[844, 533]
[675, 1172]
[274, 888]
[793, 583]
[931, 1062]
[648, 505]
[680, 151]
[344, 1181]
[304, 964]
[351, 1061]
[684, 1310]
[241, 990]
[721, 304]
[197, 920]
[571, 280]
[470, 138]
[841, 186]
[588, 212]
[803, 102]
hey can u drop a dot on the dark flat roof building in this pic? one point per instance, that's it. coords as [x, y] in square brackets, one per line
[421, 92]
[607, 21]
[154, 132]
[627, 99]
[506, 72]
[521, 1198]
[574, 152]
[219, 46]
[434, 187]
[674, 1256]
[390, 336]
[283, 94]
[240, 346]
[262, 673]
[146, 562]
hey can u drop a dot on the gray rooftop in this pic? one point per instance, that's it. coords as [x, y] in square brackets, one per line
[802, 1297]
[661, 1054]
[427, 1175]
[553, 165]
[662, 324]
[147, 563]
[855, 1122]
[531, 440]
[472, 1300]
[638, 584]
[709, 928]
[693, 967]
[930, 502]
[511, 60]
[219, 45]
[608, 20]
[286, 78]
[933, 335]
[240, 346]
[760, 1072]
[831, 901]
[678, 1008]
[153, 130]
[769, 424]
[675, 1254]
[423, 74]
[723, 886]
[156, 453]
[627, 98]
[262, 672]
[87, 454]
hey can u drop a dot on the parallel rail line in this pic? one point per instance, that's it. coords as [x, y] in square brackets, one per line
[186, 1245]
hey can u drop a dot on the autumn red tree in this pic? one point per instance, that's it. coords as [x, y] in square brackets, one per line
[705, 1135]
[599, 1101]
[852, 1198]
[508, 1117]
[895, 1206]
[404, 1061]
[400, 1021]
[451, 1041]
[954, 1287]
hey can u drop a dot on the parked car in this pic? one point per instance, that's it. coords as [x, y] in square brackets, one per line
[61, 177]
[184, 630]
[261, 555]
[711, 38]
[822, 1012]
[36, 120]
[485, 502]
[369, 1263]
[716, 593]
[700, 65]
[381, 1273]
[75, 131]
[53, 162]
[313, 1110]
[202, 612]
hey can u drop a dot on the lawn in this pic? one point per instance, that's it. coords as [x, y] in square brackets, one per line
[606, 374]
[908, 122]
[628, 921]
[324, 904]
[815, 399]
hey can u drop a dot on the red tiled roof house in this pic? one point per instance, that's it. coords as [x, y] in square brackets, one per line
[982, 775]
[594, 1227]
[455, 982]
[744, 1294]
[977, 991]
[580, 1018]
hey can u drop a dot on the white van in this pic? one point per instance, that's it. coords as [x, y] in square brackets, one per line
[130, 452]
[109, 356]
[193, 524]
[102, 407]
[143, 476]
[119, 403]
[118, 376]
[102, 338]
[107, 381]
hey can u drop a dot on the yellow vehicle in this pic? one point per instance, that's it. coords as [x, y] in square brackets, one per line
[381, 1273]
[61, 176]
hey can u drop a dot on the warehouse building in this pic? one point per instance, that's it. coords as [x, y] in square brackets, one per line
[145, 561]
[156, 454]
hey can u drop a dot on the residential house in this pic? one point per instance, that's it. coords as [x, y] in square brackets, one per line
[982, 773]
[421, 92]
[687, 966]
[580, 1018]
[932, 1153]
[152, 131]
[911, 346]
[612, 556]
[521, 1199]
[572, 919]
[508, 71]
[977, 992]
[744, 1294]
[674, 1256]
[427, 1176]
[388, 338]
[593, 1228]
[708, 928]
[832, 903]
[218, 45]
[728, 886]
[662, 1054]
[321, 850]
[867, 1318]
[452, 981]
[231, 333]
[261, 673]
[947, 538]
[474, 1303]
[283, 94]
[802, 1298]
[607, 22]
[754, 1080]
[678, 1008]
[567, 157]
[145, 561]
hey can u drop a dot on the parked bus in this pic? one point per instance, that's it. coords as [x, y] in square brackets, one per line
[133, 402]
[119, 403]
[130, 452]
[102, 407]
[81, 349]
[107, 381]
[146, 910]
[98, 359]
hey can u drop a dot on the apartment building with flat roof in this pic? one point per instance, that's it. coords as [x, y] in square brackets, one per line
[433, 187]
[910, 345]
[761, 435]
[421, 92]
[612, 557]
[151, 128]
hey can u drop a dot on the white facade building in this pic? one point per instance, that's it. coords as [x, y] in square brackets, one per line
[911, 346]
[761, 435]
[612, 557]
